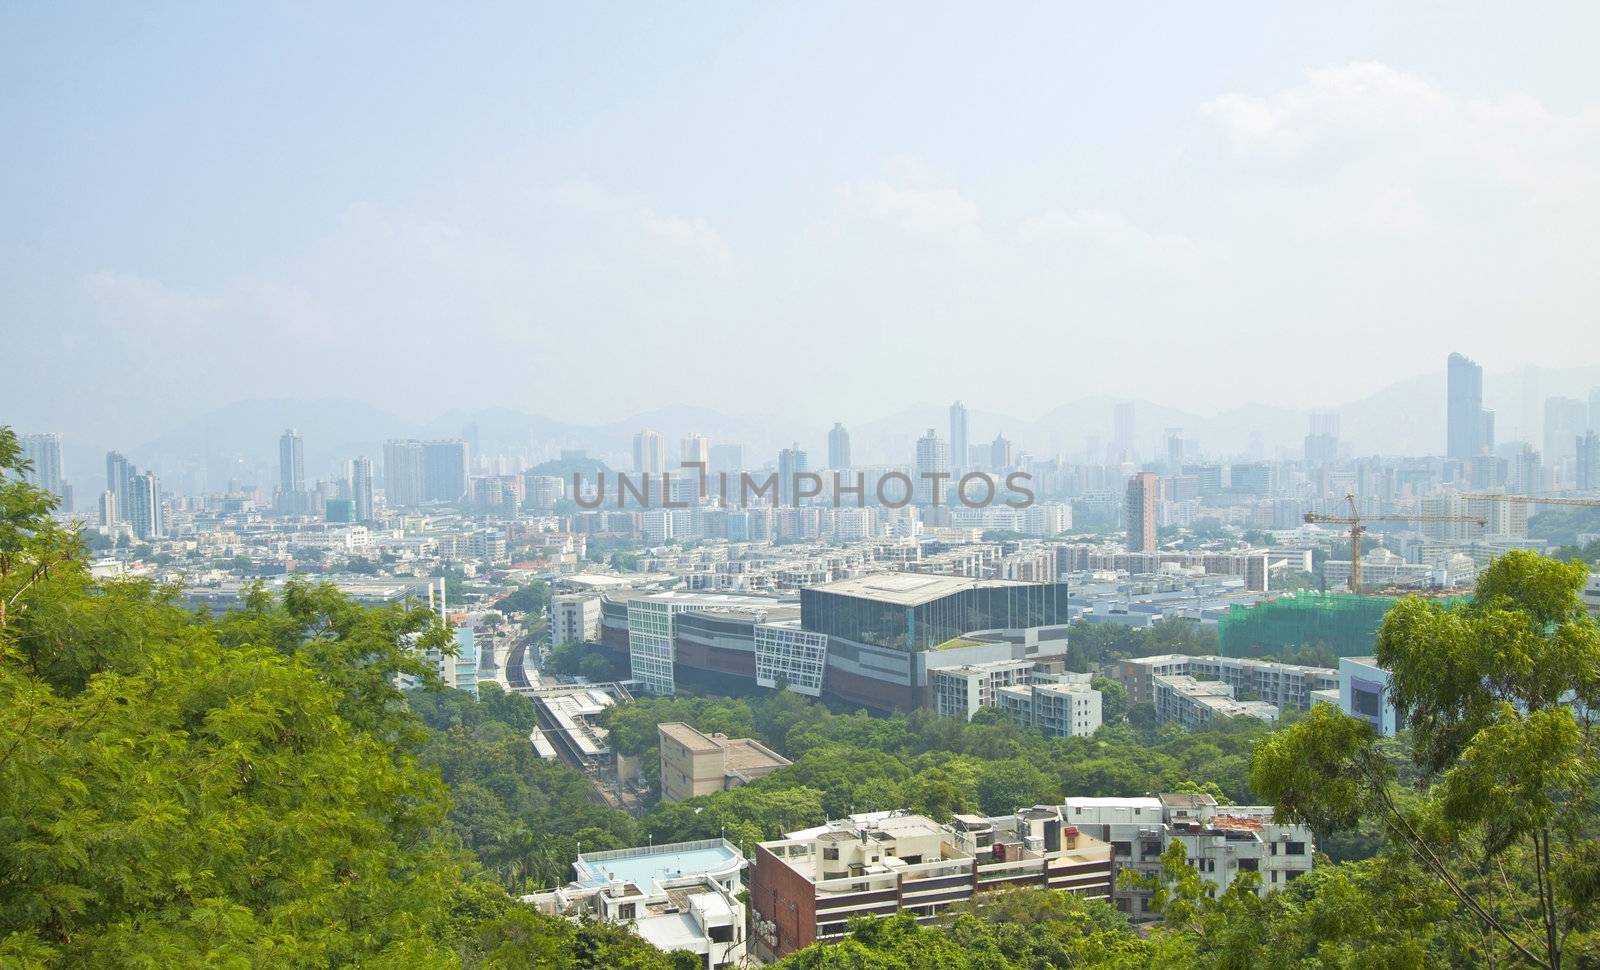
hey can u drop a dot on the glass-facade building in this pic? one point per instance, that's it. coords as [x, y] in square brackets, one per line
[914, 627]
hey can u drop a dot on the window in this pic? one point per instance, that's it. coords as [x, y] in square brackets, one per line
[1122, 848]
[627, 910]
[1250, 865]
[831, 852]
[1295, 848]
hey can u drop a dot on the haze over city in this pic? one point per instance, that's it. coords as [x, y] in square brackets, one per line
[716, 486]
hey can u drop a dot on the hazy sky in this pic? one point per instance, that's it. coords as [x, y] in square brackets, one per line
[830, 209]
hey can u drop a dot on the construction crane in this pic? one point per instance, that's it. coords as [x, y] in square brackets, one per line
[1593, 503]
[1355, 521]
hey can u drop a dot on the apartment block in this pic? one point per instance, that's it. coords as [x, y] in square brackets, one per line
[1067, 708]
[1221, 842]
[574, 617]
[808, 885]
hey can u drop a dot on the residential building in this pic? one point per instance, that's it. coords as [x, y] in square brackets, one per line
[1587, 476]
[696, 450]
[445, 466]
[932, 471]
[1139, 511]
[961, 691]
[44, 452]
[403, 473]
[1364, 693]
[361, 491]
[958, 438]
[1000, 455]
[1189, 702]
[809, 884]
[649, 453]
[727, 458]
[1464, 415]
[119, 481]
[694, 764]
[1565, 421]
[791, 462]
[145, 514]
[682, 896]
[574, 618]
[1276, 685]
[292, 498]
[1221, 843]
[1066, 707]
[838, 446]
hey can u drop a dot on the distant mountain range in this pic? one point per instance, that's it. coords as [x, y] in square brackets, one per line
[240, 440]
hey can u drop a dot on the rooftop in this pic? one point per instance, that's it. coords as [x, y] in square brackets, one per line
[909, 589]
[647, 865]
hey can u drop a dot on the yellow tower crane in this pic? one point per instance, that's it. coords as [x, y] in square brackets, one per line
[1355, 521]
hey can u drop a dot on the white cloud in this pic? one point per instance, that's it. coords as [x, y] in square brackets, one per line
[150, 301]
[686, 239]
[916, 208]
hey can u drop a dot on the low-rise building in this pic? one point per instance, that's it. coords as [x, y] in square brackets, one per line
[960, 691]
[1221, 842]
[1364, 693]
[808, 885]
[683, 896]
[1189, 702]
[700, 764]
[1066, 708]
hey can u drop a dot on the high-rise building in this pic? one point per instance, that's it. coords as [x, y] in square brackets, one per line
[957, 455]
[727, 458]
[402, 473]
[292, 497]
[1174, 451]
[791, 461]
[1527, 475]
[696, 450]
[1565, 420]
[108, 509]
[1140, 511]
[361, 488]
[649, 456]
[444, 470]
[933, 460]
[838, 446]
[1000, 457]
[1594, 409]
[1588, 462]
[1122, 433]
[119, 477]
[44, 451]
[1464, 420]
[144, 509]
[1322, 443]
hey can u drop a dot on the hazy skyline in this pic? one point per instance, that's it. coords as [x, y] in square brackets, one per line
[820, 212]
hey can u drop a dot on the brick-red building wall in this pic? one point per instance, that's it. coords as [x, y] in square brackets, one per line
[783, 896]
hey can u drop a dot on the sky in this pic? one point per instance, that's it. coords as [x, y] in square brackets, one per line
[820, 209]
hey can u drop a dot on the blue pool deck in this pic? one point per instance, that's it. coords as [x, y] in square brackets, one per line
[646, 865]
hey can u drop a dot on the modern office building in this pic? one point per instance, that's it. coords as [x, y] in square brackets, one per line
[694, 764]
[809, 884]
[43, 451]
[682, 896]
[119, 481]
[1464, 415]
[838, 446]
[932, 470]
[1139, 511]
[958, 438]
[361, 488]
[291, 463]
[791, 656]
[1221, 843]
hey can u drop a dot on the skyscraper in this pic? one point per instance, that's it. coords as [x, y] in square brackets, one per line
[144, 509]
[1322, 443]
[1588, 470]
[444, 470]
[838, 446]
[292, 498]
[933, 459]
[648, 454]
[727, 458]
[361, 488]
[791, 461]
[1000, 453]
[1174, 451]
[1122, 433]
[1140, 511]
[119, 476]
[1594, 409]
[1565, 420]
[402, 473]
[696, 449]
[44, 451]
[958, 436]
[1464, 421]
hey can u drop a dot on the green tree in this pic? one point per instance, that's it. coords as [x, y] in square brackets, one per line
[1508, 768]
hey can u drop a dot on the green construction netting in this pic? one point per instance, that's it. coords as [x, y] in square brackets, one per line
[1345, 623]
